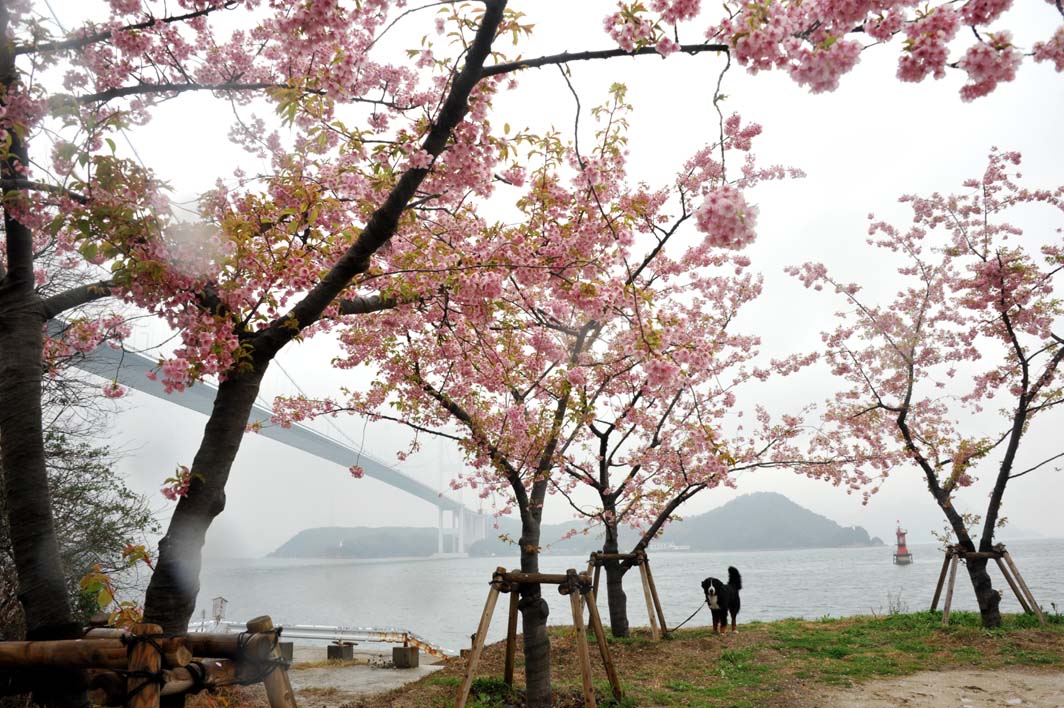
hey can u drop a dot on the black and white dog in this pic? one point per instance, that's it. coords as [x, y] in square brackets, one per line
[723, 600]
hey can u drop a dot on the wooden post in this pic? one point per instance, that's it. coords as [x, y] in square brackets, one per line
[278, 687]
[143, 692]
[511, 637]
[1023, 585]
[650, 603]
[478, 645]
[941, 578]
[604, 649]
[949, 589]
[582, 649]
[654, 594]
[1012, 584]
[595, 584]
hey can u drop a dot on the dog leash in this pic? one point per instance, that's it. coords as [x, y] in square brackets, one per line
[689, 618]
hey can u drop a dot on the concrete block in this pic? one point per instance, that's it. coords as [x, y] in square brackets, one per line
[340, 652]
[287, 650]
[405, 657]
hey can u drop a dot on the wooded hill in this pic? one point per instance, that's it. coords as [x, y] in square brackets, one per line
[764, 520]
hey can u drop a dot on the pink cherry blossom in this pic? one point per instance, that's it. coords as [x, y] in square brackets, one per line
[726, 219]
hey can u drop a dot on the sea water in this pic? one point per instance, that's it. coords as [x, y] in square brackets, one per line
[442, 599]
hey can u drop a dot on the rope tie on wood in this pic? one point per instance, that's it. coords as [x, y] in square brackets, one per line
[150, 677]
[266, 665]
[198, 672]
[133, 639]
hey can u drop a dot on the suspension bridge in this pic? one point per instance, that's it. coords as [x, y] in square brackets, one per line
[458, 526]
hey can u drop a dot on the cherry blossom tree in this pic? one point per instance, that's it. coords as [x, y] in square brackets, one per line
[371, 146]
[817, 42]
[289, 251]
[977, 323]
[591, 347]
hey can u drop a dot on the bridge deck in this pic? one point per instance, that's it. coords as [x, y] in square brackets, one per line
[132, 370]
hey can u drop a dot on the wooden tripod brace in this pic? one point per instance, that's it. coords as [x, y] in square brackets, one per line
[578, 588]
[650, 591]
[1004, 562]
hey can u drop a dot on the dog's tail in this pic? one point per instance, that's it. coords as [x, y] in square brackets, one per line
[734, 579]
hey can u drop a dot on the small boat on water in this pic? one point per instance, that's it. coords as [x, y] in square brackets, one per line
[901, 553]
[670, 547]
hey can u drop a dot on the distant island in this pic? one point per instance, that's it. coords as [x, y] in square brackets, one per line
[759, 521]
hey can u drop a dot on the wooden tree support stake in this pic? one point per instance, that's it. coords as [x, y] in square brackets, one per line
[941, 581]
[511, 638]
[1013, 578]
[654, 633]
[582, 650]
[1012, 584]
[278, 687]
[478, 644]
[579, 589]
[654, 595]
[949, 590]
[1023, 586]
[604, 648]
[143, 691]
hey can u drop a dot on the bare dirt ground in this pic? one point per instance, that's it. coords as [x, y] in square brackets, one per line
[953, 689]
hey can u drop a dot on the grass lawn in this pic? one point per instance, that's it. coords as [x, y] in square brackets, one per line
[765, 664]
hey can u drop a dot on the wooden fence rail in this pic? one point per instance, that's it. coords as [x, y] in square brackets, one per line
[135, 667]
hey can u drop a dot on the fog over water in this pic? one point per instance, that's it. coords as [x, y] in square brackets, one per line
[442, 599]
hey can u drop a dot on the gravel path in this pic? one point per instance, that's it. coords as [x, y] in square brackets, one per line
[953, 689]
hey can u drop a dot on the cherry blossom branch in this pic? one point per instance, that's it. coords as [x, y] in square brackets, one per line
[566, 57]
[511, 473]
[227, 86]
[86, 40]
[664, 516]
[75, 297]
[1047, 374]
[407, 423]
[385, 220]
[147, 88]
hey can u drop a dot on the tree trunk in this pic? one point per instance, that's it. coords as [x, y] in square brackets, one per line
[985, 594]
[534, 612]
[42, 589]
[171, 596]
[618, 601]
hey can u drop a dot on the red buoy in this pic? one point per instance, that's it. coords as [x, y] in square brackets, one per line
[901, 553]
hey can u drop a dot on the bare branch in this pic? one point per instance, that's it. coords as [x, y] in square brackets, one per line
[86, 40]
[372, 303]
[61, 302]
[1040, 464]
[566, 57]
[30, 185]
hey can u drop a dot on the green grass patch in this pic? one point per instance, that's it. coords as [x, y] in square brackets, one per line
[765, 664]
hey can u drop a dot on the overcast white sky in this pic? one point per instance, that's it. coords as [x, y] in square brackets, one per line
[862, 146]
